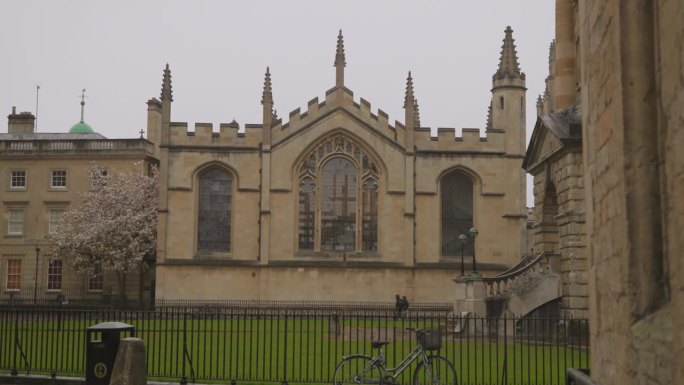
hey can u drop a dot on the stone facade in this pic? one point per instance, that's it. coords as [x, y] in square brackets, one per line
[33, 203]
[270, 164]
[554, 158]
[628, 72]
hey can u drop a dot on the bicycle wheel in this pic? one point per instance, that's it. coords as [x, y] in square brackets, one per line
[357, 369]
[436, 371]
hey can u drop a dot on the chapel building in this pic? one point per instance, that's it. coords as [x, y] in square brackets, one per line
[338, 203]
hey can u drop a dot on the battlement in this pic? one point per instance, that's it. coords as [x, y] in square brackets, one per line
[204, 135]
[339, 99]
[469, 140]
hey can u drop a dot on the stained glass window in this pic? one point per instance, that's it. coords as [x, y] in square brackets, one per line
[338, 205]
[338, 198]
[214, 225]
[457, 213]
[370, 215]
[307, 207]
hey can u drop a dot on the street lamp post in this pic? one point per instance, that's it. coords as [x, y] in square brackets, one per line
[35, 281]
[473, 233]
[462, 238]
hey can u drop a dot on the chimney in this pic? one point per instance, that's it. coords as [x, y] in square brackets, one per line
[21, 123]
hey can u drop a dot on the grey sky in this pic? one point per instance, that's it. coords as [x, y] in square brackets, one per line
[218, 52]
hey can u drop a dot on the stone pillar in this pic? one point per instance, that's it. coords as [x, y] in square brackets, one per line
[470, 296]
[565, 81]
[130, 367]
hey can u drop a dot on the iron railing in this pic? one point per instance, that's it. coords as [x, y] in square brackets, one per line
[302, 346]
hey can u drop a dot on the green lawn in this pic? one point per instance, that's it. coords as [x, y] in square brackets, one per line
[275, 349]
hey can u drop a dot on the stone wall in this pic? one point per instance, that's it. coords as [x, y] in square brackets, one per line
[560, 223]
[632, 89]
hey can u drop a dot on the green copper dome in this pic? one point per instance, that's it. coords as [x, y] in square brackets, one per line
[81, 128]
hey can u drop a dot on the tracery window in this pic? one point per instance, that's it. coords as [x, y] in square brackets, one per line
[338, 198]
[214, 210]
[457, 213]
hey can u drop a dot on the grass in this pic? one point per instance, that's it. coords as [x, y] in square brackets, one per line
[263, 349]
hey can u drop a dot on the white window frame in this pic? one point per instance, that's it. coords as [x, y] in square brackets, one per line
[13, 220]
[51, 221]
[12, 179]
[7, 275]
[53, 178]
[59, 274]
[96, 282]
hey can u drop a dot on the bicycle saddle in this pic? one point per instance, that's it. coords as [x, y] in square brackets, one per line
[379, 344]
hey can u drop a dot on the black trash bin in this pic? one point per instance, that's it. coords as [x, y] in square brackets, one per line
[102, 344]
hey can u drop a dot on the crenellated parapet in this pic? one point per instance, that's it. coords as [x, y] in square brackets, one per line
[204, 135]
[339, 100]
[469, 140]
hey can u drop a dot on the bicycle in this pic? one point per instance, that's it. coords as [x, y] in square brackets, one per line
[431, 370]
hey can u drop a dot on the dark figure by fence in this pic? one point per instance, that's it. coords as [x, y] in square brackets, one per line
[404, 306]
[398, 306]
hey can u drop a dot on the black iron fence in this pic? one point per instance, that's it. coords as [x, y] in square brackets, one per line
[303, 346]
[79, 298]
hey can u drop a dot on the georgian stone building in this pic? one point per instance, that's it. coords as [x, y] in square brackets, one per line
[42, 176]
[336, 202]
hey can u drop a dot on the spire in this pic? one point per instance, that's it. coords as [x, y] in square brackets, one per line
[540, 105]
[340, 61]
[166, 93]
[81, 127]
[489, 124]
[409, 99]
[82, 105]
[411, 117]
[267, 95]
[508, 63]
[269, 116]
[416, 115]
[552, 56]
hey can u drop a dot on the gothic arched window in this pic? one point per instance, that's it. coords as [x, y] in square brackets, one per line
[338, 198]
[214, 210]
[457, 212]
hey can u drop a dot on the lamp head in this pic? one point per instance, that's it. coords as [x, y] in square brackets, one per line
[462, 238]
[473, 232]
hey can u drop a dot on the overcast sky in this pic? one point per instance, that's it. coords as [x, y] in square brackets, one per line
[218, 52]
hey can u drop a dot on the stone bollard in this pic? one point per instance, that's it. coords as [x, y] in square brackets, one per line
[130, 367]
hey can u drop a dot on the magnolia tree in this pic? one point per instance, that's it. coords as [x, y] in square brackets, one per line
[114, 226]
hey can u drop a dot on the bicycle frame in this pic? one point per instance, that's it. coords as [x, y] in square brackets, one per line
[380, 361]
